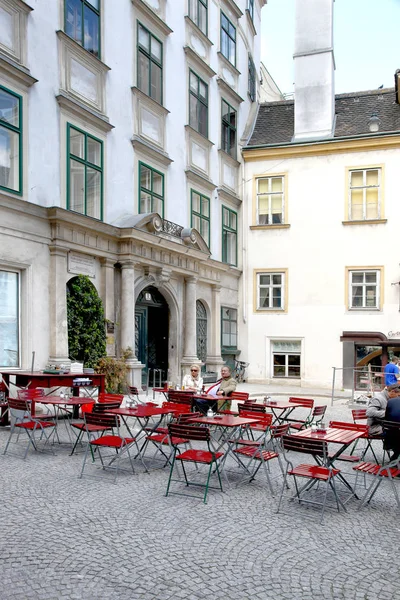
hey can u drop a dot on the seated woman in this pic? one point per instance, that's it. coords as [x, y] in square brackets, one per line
[193, 382]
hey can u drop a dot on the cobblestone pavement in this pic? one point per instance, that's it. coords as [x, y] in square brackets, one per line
[69, 538]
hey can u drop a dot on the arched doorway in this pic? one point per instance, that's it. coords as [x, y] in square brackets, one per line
[151, 335]
[201, 333]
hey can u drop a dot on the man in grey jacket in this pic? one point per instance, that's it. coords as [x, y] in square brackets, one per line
[377, 407]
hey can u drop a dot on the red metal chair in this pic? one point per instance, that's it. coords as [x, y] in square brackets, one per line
[314, 418]
[313, 473]
[208, 457]
[307, 402]
[161, 439]
[379, 473]
[360, 414]
[238, 396]
[103, 422]
[23, 420]
[91, 429]
[263, 450]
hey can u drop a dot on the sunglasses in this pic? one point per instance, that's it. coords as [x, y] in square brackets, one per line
[194, 370]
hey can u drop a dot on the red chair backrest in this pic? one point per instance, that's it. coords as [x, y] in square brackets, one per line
[184, 417]
[30, 393]
[189, 432]
[102, 419]
[254, 407]
[359, 414]
[279, 430]
[239, 396]
[102, 407]
[264, 419]
[307, 402]
[105, 397]
[180, 397]
[318, 411]
[175, 407]
[19, 404]
[305, 446]
[349, 426]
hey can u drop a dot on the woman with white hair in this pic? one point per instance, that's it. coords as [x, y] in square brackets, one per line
[193, 382]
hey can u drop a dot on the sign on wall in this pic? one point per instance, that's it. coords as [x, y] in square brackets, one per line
[81, 264]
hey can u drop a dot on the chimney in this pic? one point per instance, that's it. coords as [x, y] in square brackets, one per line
[314, 71]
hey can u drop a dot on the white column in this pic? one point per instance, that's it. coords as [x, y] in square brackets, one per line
[128, 321]
[58, 306]
[214, 359]
[107, 296]
[190, 351]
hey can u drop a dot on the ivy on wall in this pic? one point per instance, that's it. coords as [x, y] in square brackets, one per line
[86, 329]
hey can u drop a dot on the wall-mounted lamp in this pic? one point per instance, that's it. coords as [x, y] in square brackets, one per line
[374, 123]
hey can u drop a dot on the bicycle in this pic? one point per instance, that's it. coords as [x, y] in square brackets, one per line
[240, 370]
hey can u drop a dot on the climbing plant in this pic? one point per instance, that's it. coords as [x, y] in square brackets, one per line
[86, 330]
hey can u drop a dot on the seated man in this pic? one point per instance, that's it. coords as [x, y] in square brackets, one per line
[377, 407]
[219, 390]
[224, 387]
[392, 438]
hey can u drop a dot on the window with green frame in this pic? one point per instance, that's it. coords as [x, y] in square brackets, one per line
[198, 104]
[228, 39]
[82, 23]
[151, 190]
[198, 14]
[84, 173]
[228, 328]
[200, 214]
[229, 236]
[10, 141]
[149, 64]
[228, 129]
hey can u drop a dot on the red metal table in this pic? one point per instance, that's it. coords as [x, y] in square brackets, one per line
[284, 406]
[60, 404]
[230, 427]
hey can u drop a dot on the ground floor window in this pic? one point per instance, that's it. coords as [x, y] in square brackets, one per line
[9, 319]
[286, 359]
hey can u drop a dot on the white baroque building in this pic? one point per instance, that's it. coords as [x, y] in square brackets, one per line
[121, 126]
[320, 220]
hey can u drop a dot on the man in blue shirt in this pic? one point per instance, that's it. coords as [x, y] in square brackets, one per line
[391, 372]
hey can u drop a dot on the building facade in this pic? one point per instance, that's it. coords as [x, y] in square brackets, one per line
[322, 272]
[121, 130]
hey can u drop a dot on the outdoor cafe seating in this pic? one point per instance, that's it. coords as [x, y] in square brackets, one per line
[22, 420]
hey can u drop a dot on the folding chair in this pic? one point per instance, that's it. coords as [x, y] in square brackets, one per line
[91, 429]
[263, 450]
[379, 472]
[180, 397]
[314, 418]
[207, 457]
[314, 473]
[161, 438]
[23, 420]
[121, 445]
[360, 414]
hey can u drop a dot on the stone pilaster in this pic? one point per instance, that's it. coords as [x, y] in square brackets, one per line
[214, 358]
[189, 348]
[107, 296]
[128, 322]
[58, 306]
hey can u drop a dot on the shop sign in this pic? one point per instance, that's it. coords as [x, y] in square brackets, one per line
[393, 334]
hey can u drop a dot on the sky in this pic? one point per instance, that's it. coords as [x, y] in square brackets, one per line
[366, 43]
